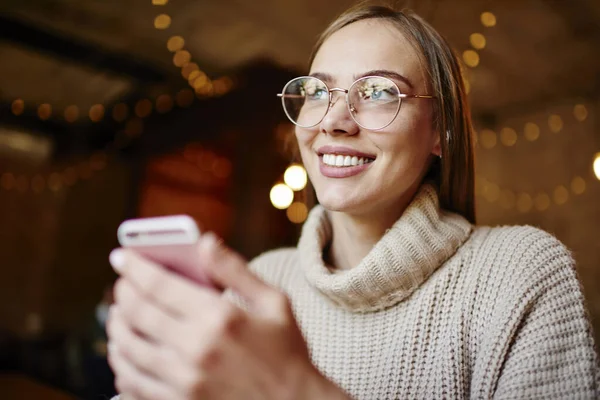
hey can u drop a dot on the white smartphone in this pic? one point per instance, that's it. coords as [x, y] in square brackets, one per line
[170, 241]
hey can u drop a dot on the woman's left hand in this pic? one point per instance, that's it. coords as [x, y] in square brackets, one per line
[171, 338]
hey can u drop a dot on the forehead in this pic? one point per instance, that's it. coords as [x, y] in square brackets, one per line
[368, 45]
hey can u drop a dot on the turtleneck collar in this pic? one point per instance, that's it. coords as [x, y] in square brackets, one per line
[410, 251]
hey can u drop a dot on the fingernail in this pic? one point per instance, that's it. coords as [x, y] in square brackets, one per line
[210, 240]
[117, 260]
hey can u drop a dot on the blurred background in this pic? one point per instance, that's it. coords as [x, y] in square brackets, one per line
[113, 109]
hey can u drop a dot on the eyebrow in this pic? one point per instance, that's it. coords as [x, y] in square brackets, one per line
[376, 72]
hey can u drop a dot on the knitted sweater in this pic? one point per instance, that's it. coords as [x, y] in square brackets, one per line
[442, 310]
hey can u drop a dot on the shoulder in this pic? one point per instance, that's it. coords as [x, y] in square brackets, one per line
[521, 258]
[273, 265]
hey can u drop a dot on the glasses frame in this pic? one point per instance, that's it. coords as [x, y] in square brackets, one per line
[351, 109]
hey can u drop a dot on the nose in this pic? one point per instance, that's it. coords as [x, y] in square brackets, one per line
[338, 120]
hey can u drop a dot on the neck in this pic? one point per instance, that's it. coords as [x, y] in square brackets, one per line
[355, 234]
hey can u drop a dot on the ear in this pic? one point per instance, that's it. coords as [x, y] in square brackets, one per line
[437, 145]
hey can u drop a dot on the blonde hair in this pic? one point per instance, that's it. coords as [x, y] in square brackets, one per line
[454, 173]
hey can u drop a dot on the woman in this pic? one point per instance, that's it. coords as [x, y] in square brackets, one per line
[392, 291]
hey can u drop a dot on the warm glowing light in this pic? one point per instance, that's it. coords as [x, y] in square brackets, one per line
[508, 137]
[561, 195]
[162, 21]
[143, 108]
[159, 2]
[17, 107]
[199, 81]
[175, 43]
[542, 202]
[477, 41]
[206, 89]
[488, 138]
[532, 131]
[7, 181]
[44, 111]
[488, 19]
[580, 112]
[69, 176]
[134, 127]
[55, 182]
[281, 196]
[597, 166]
[297, 212]
[555, 123]
[507, 199]
[524, 202]
[185, 98]
[188, 69]
[120, 112]
[295, 177]
[164, 103]
[38, 183]
[471, 58]
[71, 113]
[97, 112]
[578, 185]
[181, 57]
[491, 192]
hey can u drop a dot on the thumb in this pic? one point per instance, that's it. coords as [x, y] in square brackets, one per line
[228, 269]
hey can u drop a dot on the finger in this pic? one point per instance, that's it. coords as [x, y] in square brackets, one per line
[135, 383]
[150, 358]
[145, 316]
[229, 269]
[172, 292]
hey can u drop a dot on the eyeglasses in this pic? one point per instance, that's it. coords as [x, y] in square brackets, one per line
[373, 101]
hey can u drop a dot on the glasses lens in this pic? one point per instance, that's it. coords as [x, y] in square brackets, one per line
[374, 102]
[305, 101]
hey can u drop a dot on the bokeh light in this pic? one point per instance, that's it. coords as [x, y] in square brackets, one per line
[295, 177]
[281, 196]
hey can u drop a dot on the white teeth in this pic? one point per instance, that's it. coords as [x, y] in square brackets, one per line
[344, 161]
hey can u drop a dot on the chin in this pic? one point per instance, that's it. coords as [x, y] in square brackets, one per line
[340, 202]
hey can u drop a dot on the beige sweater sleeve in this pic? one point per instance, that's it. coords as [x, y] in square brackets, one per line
[551, 351]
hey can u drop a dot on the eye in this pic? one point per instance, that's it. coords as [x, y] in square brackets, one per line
[316, 93]
[379, 93]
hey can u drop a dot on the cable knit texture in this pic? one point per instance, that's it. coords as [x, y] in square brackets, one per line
[441, 310]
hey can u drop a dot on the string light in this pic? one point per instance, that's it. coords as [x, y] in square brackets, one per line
[580, 112]
[295, 177]
[561, 195]
[17, 107]
[488, 19]
[143, 108]
[71, 113]
[596, 166]
[477, 41]
[281, 196]
[44, 111]
[96, 113]
[508, 137]
[488, 138]
[175, 43]
[164, 103]
[555, 123]
[162, 21]
[471, 58]
[297, 212]
[181, 57]
[159, 2]
[532, 131]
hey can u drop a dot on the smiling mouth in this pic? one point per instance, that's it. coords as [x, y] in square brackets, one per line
[339, 160]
